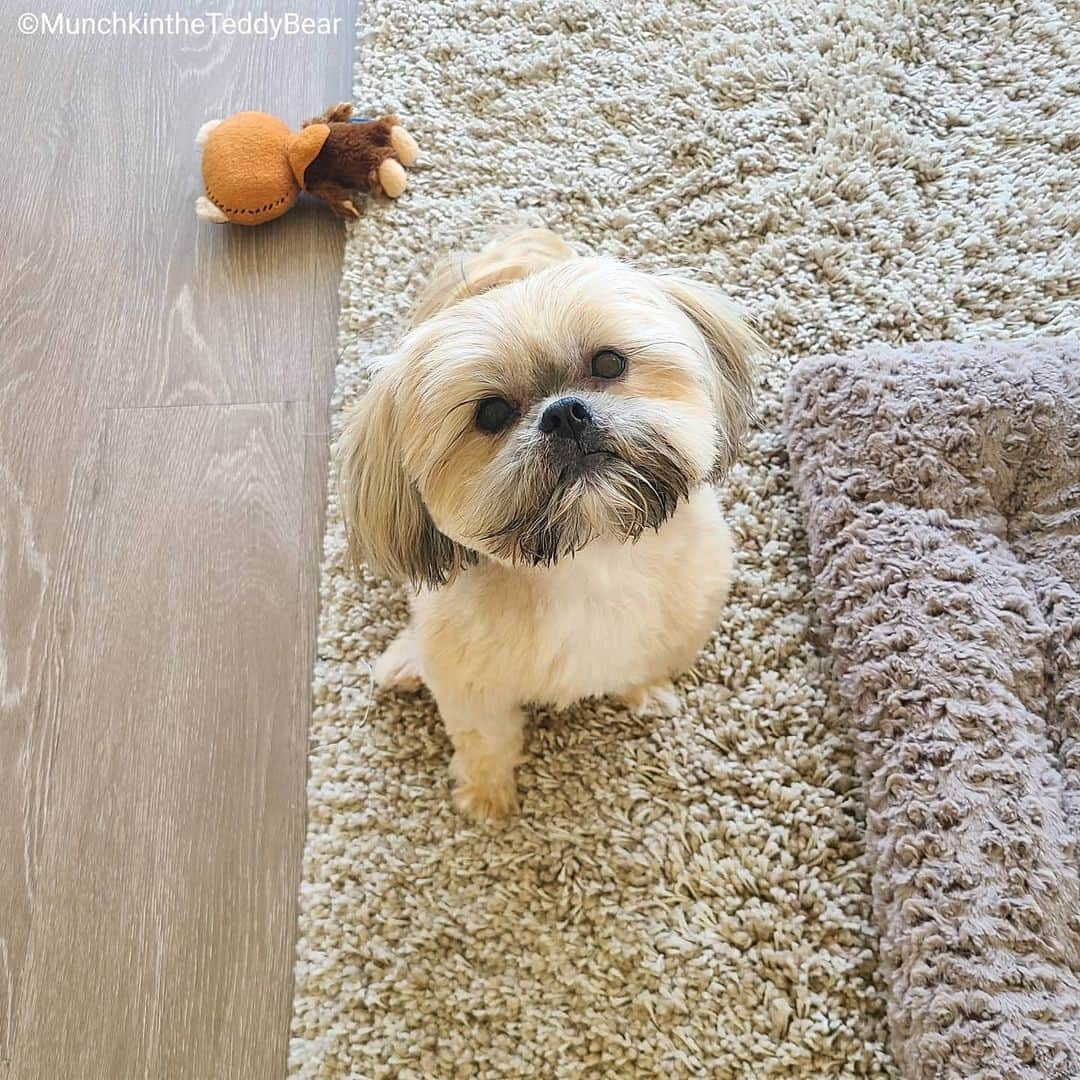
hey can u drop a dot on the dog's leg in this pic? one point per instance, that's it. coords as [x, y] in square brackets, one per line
[487, 742]
[659, 699]
[399, 666]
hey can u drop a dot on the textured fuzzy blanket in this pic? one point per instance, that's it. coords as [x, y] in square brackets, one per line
[941, 489]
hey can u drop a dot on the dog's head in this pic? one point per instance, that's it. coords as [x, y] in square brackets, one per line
[543, 400]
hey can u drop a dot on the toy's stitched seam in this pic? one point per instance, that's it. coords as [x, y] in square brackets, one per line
[256, 210]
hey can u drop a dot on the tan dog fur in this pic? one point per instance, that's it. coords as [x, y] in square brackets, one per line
[547, 571]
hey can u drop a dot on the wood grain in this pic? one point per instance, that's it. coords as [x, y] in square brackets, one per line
[163, 399]
[162, 895]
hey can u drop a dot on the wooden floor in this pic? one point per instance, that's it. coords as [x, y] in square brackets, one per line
[163, 414]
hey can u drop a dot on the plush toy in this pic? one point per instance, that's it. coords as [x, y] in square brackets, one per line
[254, 168]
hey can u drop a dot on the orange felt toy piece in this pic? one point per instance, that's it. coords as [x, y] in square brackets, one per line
[248, 170]
[254, 167]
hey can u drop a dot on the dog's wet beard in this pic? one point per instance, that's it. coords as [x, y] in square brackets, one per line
[636, 486]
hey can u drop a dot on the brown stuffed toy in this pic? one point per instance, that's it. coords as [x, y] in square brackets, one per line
[254, 168]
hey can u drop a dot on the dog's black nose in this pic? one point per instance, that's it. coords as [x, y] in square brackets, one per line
[568, 418]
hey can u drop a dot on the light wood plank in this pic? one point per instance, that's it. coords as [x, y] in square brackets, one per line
[111, 293]
[163, 903]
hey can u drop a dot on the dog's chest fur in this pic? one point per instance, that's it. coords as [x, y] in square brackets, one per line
[613, 618]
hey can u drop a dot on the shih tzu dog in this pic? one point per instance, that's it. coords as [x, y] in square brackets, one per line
[536, 459]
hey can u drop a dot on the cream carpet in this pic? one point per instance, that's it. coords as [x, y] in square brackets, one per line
[685, 897]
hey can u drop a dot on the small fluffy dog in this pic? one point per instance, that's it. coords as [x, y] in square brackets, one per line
[536, 458]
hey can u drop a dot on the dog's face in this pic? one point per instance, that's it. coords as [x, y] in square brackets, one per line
[583, 400]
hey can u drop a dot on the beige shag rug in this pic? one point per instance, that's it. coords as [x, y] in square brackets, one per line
[685, 897]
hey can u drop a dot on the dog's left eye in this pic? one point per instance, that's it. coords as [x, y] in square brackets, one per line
[608, 364]
[494, 413]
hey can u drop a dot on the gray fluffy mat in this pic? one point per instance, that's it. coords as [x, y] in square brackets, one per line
[941, 488]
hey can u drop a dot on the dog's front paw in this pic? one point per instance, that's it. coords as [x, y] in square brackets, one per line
[399, 666]
[658, 700]
[492, 798]
[486, 802]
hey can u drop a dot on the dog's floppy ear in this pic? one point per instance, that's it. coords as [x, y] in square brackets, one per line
[386, 521]
[732, 345]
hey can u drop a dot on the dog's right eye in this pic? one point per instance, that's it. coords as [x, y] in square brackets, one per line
[495, 413]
